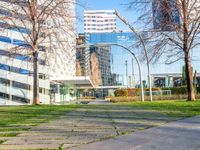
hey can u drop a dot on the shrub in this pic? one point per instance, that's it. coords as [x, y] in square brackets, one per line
[121, 92]
[198, 89]
[87, 97]
[177, 90]
[147, 98]
[131, 92]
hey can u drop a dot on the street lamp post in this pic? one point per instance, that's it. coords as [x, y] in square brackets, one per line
[144, 47]
[139, 67]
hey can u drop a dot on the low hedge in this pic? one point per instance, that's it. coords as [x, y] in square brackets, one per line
[132, 91]
[177, 90]
[198, 90]
[136, 91]
[87, 97]
[121, 92]
[147, 98]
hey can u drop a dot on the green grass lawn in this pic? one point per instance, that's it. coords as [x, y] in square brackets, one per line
[20, 118]
[171, 108]
[14, 120]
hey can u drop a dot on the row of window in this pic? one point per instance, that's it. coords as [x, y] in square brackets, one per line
[22, 85]
[14, 28]
[100, 29]
[13, 15]
[19, 43]
[87, 16]
[101, 25]
[20, 57]
[14, 98]
[20, 71]
[106, 20]
[16, 2]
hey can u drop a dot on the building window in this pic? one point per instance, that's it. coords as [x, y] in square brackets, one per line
[4, 96]
[20, 99]
[44, 91]
[21, 85]
[4, 81]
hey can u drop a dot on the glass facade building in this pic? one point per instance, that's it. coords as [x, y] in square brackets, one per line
[119, 56]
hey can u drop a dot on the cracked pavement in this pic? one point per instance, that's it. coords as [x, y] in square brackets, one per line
[88, 124]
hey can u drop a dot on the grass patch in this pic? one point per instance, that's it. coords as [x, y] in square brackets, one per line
[5, 129]
[21, 118]
[8, 134]
[2, 141]
[170, 108]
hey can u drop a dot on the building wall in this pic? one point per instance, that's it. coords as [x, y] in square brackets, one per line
[99, 21]
[103, 54]
[16, 71]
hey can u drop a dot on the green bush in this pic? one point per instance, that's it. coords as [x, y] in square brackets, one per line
[177, 90]
[132, 91]
[121, 92]
[87, 97]
[137, 91]
[198, 90]
[147, 98]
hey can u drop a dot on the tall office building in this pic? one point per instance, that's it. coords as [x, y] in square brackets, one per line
[94, 61]
[103, 54]
[16, 69]
[99, 21]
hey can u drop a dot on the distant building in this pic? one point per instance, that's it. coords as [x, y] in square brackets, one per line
[103, 55]
[82, 57]
[122, 80]
[99, 21]
[94, 62]
[170, 80]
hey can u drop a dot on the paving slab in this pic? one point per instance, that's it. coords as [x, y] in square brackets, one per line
[89, 124]
[180, 135]
[29, 147]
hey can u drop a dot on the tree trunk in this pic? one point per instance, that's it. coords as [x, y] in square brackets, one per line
[188, 65]
[35, 79]
[189, 77]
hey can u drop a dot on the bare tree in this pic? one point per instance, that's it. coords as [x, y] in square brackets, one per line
[175, 32]
[48, 25]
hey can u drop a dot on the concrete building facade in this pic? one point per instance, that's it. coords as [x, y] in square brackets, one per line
[16, 69]
[99, 21]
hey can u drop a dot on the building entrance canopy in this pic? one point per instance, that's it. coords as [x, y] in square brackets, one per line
[79, 82]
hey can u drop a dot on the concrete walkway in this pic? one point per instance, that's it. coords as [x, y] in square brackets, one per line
[88, 124]
[99, 102]
[179, 135]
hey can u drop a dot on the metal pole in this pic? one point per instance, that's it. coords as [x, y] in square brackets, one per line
[144, 47]
[126, 64]
[133, 73]
[139, 67]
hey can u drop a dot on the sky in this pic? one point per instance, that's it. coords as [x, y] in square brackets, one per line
[120, 56]
[131, 16]
[105, 4]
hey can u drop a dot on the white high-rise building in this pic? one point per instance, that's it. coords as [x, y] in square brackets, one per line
[99, 21]
[16, 70]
